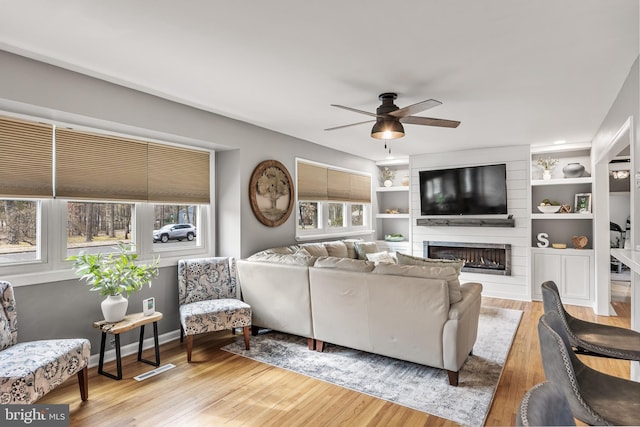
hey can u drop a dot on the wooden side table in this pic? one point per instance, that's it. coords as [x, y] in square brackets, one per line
[130, 321]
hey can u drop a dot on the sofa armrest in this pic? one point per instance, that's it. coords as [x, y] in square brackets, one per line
[470, 291]
[461, 330]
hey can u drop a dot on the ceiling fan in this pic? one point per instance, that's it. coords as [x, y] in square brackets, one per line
[389, 117]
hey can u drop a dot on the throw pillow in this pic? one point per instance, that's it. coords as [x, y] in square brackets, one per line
[344, 264]
[364, 248]
[297, 259]
[405, 259]
[337, 249]
[351, 247]
[315, 249]
[381, 257]
[448, 273]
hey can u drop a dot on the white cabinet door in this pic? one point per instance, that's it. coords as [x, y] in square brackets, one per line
[570, 269]
[576, 272]
[545, 267]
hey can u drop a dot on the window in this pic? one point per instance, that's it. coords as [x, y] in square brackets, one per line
[331, 200]
[19, 239]
[336, 215]
[58, 197]
[97, 227]
[175, 226]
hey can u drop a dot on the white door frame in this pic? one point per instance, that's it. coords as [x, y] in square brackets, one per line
[600, 166]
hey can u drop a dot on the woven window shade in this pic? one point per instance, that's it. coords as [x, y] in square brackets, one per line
[338, 185]
[26, 160]
[312, 182]
[90, 166]
[178, 175]
[360, 188]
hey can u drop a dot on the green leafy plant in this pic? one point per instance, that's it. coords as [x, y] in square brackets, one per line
[114, 273]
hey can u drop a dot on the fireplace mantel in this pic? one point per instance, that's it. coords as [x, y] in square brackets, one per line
[467, 222]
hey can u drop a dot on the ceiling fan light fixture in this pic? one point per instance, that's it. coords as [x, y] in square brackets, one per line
[387, 129]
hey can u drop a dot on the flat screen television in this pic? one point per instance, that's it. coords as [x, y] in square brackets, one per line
[473, 190]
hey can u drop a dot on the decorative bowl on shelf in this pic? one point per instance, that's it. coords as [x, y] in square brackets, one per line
[394, 238]
[548, 209]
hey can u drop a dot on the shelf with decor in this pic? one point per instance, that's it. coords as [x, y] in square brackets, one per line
[562, 237]
[393, 198]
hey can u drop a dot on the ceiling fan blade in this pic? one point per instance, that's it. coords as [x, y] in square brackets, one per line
[428, 121]
[415, 108]
[352, 124]
[356, 111]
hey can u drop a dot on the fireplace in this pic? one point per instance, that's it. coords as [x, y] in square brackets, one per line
[486, 258]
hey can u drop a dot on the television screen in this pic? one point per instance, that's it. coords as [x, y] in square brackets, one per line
[474, 190]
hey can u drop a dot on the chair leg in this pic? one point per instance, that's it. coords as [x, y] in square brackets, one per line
[246, 337]
[189, 347]
[181, 334]
[83, 382]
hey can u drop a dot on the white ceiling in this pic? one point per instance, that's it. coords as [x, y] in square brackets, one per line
[512, 71]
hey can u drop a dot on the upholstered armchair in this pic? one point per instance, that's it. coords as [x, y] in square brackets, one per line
[209, 299]
[544, 405]
[29, 370]
[592, 338]
[595, 398]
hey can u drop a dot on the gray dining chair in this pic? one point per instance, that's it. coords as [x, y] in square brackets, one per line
[595, 398]
[590, 338]
[544, 405]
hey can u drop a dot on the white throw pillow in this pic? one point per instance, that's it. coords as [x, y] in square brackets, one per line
[381, 257]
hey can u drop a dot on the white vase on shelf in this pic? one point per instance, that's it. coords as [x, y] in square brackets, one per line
[388, 183]
[546, 174]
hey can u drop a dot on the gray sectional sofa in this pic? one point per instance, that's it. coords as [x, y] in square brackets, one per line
[415, 310]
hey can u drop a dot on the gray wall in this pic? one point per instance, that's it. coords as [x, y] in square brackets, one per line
[36, 89]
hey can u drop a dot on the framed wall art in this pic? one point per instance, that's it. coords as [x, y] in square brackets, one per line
[583, 203]
[271, 193]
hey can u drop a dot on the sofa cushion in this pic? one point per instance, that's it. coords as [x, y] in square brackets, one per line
[284, 250]
[344, 264]
[382, 257]
[337, 249]
[448, 273]
[299, 258]
[315, 249]
[364, 248]
[405, 259]
[351, 247]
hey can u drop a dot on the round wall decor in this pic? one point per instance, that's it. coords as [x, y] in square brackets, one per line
[271, 193]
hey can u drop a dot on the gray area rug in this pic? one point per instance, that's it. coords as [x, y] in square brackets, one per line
[415, 386]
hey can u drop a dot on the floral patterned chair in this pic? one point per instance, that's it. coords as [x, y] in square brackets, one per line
[208, 294]
[29, 370]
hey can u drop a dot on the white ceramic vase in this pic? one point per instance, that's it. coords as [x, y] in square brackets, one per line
[388, 183]
[114, 308]
[546, 174]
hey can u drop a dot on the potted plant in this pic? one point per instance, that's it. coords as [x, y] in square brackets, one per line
[547, 165]
[114, 275]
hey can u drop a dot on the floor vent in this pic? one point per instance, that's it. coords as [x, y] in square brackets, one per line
[156, 371]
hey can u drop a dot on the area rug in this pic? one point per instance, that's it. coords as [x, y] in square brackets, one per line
[415, 386]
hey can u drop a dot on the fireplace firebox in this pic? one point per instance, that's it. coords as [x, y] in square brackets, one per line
[486, 258]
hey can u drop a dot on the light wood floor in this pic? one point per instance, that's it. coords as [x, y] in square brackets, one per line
[219, 388]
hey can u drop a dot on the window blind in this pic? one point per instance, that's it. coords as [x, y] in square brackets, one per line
[100, 167]
[312, 182]
[178, 175]
[325, 183]
[26, 160]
